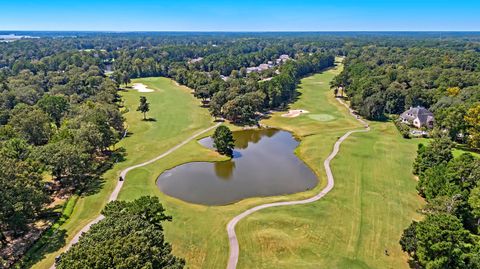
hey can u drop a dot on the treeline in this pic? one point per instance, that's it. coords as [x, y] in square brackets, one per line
[58, 117]
[59, 111]
[130, 236]
[389, 80]
[237, 96]
[239, 99]
[448, 236]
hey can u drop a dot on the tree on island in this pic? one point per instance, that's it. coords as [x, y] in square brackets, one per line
[223, 140]
[144, 106]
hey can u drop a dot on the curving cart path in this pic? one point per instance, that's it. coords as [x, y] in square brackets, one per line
[123, 174]
[232, 236]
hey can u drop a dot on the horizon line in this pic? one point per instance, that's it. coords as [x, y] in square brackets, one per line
[250, 31]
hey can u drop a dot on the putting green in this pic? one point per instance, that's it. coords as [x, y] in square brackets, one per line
[373, 201]
[321, 117]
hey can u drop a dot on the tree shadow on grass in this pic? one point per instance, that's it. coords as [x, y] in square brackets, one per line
[128, 134]
[149, 119]
[51, 241]
[93, 186]
[54, 238]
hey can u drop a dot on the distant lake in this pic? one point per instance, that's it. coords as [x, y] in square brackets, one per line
[264, 164]
[13, 37]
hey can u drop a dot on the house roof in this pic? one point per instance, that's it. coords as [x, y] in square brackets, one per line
[423, 114]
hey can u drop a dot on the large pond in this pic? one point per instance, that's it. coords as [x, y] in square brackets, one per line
[264, 164]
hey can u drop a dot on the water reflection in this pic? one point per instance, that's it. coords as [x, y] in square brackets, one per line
[263, 165]
[224, 170]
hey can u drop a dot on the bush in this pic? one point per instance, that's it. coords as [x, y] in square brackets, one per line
[402, 128]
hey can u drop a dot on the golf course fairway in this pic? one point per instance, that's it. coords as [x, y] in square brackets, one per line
[373, 200]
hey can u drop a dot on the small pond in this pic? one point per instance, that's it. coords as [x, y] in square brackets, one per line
[264, 164]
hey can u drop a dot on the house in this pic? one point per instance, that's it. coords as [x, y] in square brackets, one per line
[252, 69]
[263, 67]
[260, 68]
[418, 117]
[196, 60]
[282, 59]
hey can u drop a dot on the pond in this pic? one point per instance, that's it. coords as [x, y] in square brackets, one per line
[264, 164]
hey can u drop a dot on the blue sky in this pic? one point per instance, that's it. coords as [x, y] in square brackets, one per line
[242, 15]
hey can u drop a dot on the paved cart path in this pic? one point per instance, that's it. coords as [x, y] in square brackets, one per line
[232, 236]
[123, 174]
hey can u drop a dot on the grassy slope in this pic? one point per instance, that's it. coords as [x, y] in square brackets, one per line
[300, 236]
[458, 152]
[198, 232]
[374, 197]
[178, 115]
[343, 230]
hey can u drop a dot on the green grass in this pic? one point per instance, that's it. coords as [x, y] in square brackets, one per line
[178, 115]
[457, 152]
[53, 238]
[350, 228]
[374, 197]
[373, 201]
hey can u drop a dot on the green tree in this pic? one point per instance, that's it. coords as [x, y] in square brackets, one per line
[130, 236]
[223, 140]
[32, 124]
[474, 202]
[473, 120]
[438, 151]
[54, 106]
[442, 242]
[66, 162]
[125, 78]
[21, 189]
[144, 106]
[217, 102]
[452, 119]
[409, 240]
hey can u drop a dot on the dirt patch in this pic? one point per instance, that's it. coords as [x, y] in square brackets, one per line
[140, 87]
[294, 113]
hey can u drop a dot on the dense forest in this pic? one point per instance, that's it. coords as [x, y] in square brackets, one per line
[58, 119]
[220, 76]
[382, 81]
[130, 230]
[60, 110]
[60, 115]
[448, 236]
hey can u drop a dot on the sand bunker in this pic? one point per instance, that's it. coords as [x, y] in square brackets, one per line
[141, 87]
[294, 113]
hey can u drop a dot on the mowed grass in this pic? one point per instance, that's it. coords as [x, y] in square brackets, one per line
[351, 226]
[458, 152]
[374, 197]
[177, 116]
[197, 232]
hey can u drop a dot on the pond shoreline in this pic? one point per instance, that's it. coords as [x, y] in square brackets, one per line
[252, 173]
